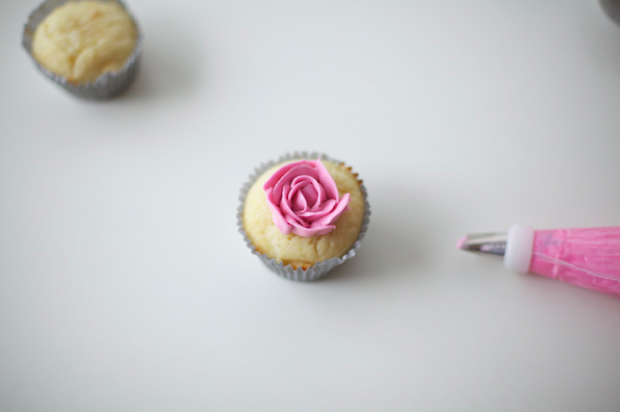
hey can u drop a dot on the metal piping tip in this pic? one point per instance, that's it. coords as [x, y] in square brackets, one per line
[491, 243]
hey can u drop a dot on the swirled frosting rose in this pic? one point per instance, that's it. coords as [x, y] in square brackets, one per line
[304, 199]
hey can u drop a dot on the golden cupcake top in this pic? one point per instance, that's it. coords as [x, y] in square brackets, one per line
[313, 222]
[83, 40]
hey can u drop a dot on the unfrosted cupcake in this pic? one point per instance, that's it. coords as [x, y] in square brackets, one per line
[303, 216]
[89, 47]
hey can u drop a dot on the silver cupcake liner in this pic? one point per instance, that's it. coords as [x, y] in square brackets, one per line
[320, 268]
[107, 85]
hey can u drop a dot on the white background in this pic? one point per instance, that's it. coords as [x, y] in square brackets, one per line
[124, 285]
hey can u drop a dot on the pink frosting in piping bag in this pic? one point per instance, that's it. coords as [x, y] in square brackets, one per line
[589, 258]
[304, 199]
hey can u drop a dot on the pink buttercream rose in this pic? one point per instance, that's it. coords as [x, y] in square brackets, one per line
[304, 199]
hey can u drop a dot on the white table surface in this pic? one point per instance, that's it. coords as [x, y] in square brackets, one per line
[124, 285]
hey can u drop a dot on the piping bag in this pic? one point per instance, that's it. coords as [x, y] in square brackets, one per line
[589, 258]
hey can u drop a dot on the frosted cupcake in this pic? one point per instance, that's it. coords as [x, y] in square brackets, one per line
[89, 47]
[303, 215]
